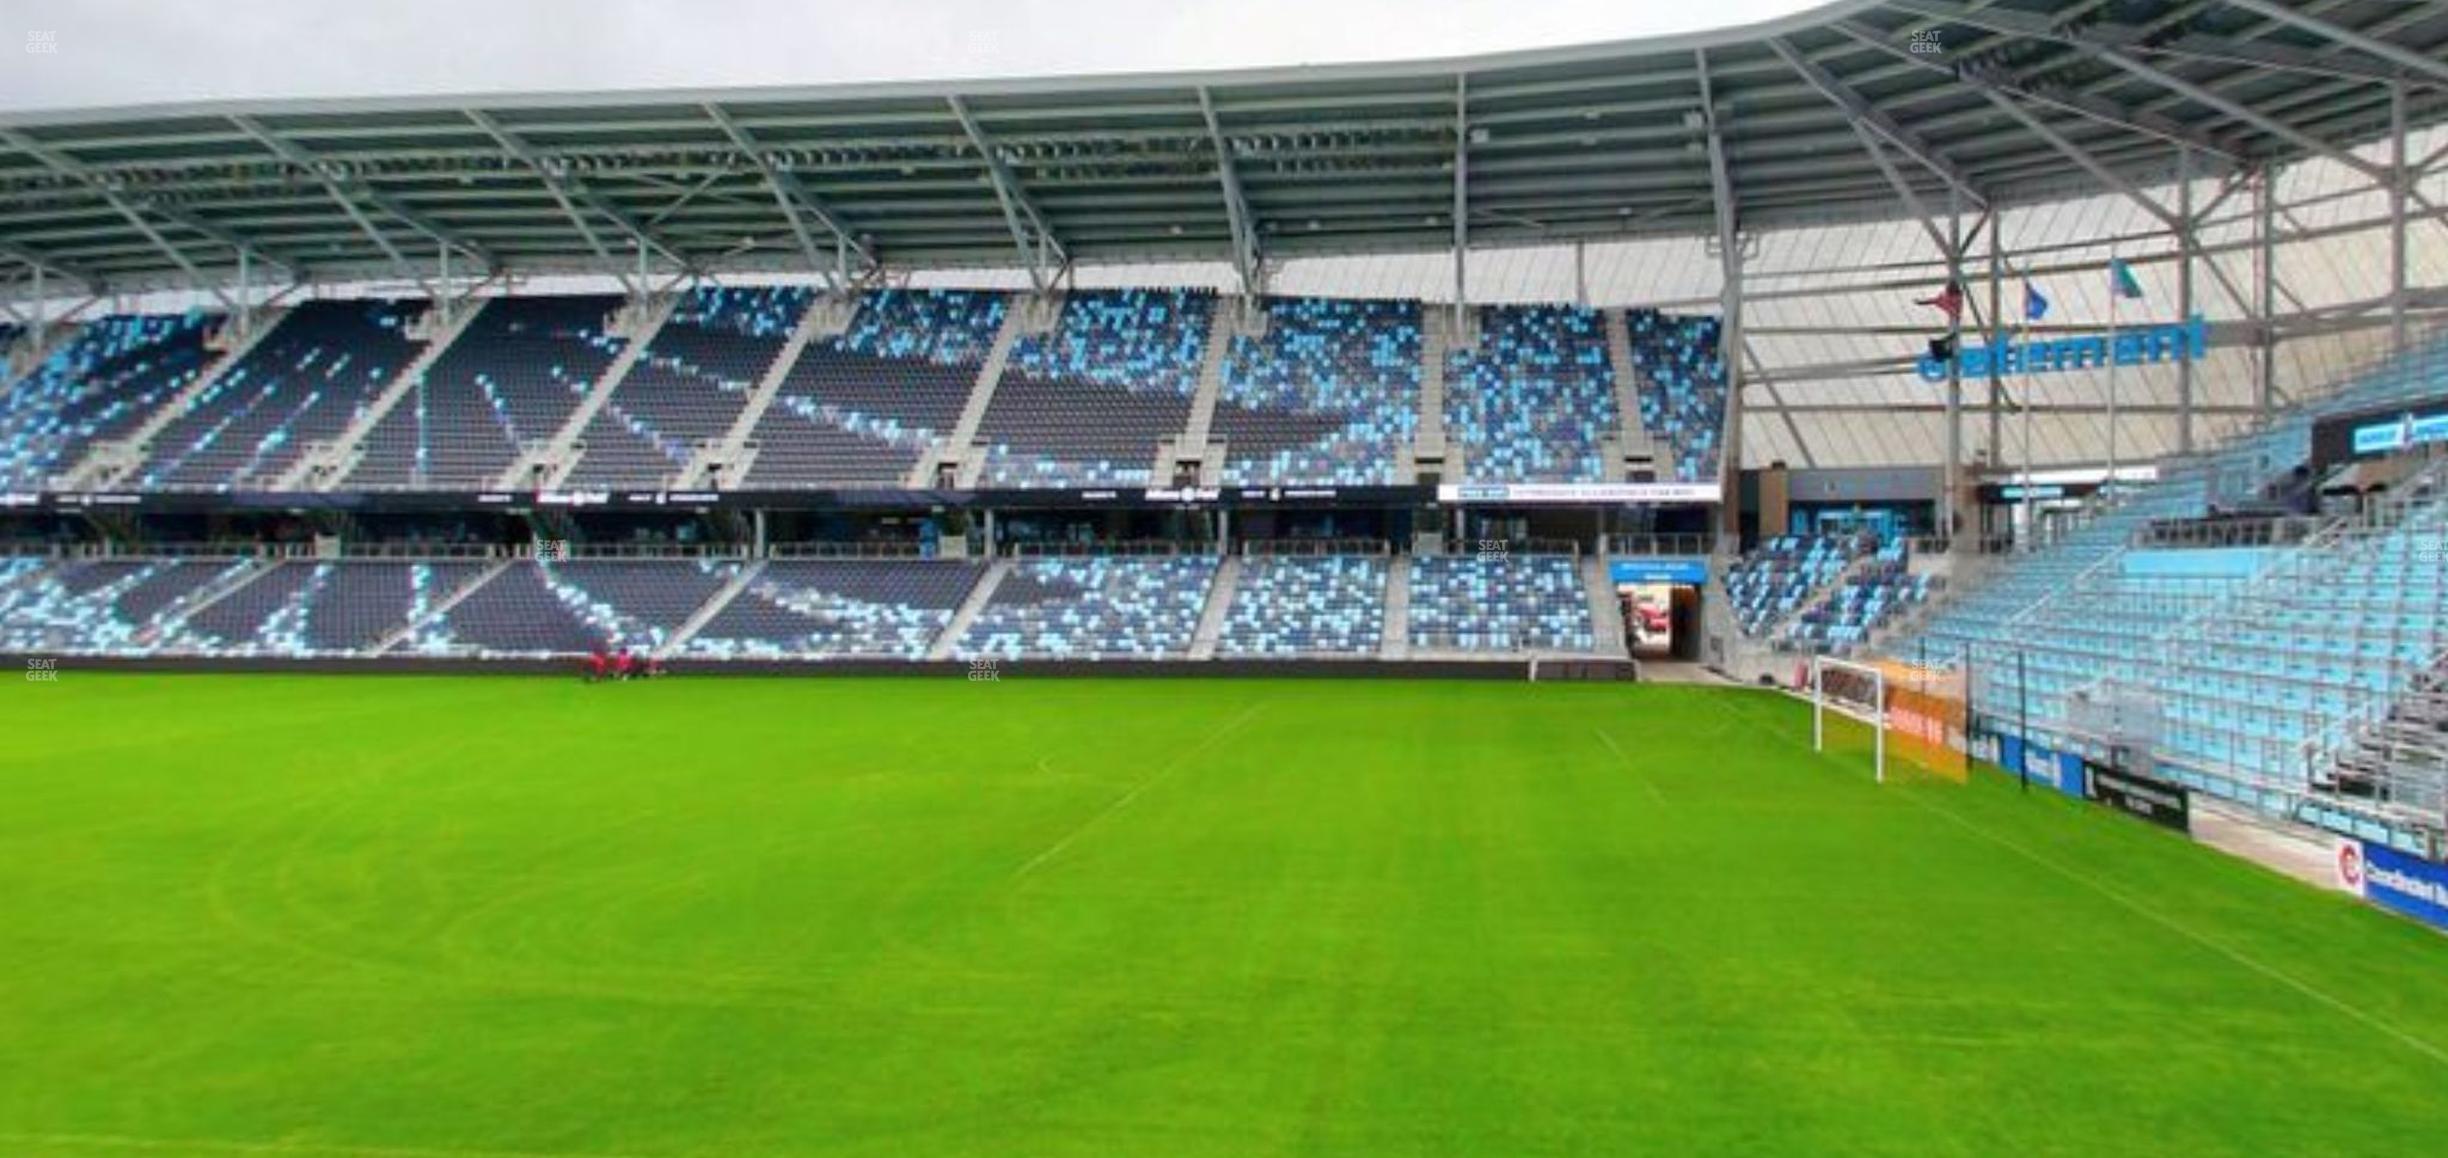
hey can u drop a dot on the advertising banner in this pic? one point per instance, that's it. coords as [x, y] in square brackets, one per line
[1689, 572]
[2157, 801]
[2406, 885]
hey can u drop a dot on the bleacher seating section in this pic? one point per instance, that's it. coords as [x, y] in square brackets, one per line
[1328, 396]
[1093, 607]
[1682, 387]
[1307, 605]
[1086, 404]
[1499, 603]
[1532, 400]
[99, 385]
[690, 384]
[858, 410]
[304, 382]
[322, 609]
[102, 606]
[837, 608]
[1783, 574]
[513, 378]
[544, 608]
[1868, 598]
[2257, 674]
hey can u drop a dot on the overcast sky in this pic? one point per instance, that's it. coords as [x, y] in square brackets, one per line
[108, 52]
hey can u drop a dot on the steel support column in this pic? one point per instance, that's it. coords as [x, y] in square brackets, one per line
[1461, 202]
[2265, 289]
[1729, 302]
[2401, 182]
[2185, 245]
[1948, 503]
[1997, 335]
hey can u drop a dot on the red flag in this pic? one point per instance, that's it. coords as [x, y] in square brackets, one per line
[1950, 300]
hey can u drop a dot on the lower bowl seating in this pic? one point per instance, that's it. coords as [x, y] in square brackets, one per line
[1093, 608]
[1502, 603]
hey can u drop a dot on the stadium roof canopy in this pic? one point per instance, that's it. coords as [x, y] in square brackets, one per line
[1856, 109]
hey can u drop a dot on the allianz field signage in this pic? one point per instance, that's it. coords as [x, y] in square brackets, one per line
[2183, 341]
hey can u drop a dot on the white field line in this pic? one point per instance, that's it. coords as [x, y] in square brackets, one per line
[1655, 793]
[2272, 972]
[1123, 801]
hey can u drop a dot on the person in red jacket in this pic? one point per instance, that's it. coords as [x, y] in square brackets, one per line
[628, 664]
[598, 665]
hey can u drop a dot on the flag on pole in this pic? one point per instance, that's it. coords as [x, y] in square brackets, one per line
[2121, 280]
[2035, 307]
[1949, 301]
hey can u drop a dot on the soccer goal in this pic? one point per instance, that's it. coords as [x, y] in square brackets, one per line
[1854, 707]
[1856, 695]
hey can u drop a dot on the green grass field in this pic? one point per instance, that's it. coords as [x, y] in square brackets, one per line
[457, 918]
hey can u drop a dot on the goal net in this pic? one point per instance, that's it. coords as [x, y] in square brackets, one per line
[1898, 716]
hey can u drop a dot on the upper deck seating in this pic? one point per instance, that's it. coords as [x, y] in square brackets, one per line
[517, 372]
[1682, 387]
[690, 385]
[307, 381]
[100, 385]
[1086, 404]
[1329, 396]
[1534, 399]
[858, 410]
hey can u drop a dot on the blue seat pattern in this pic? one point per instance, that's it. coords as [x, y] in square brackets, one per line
[1682, 388]
[515, 375]
[1097, 607]
[1506, 603]
[859, 409]
[1086, 403]
[314, 375]
[99, 385]
[1533, 400]
[1306, 605]
[838, 608]
[1328, 397]
[690, 383]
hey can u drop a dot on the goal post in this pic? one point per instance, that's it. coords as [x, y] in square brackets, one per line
[1856, 693]
[1858, 705]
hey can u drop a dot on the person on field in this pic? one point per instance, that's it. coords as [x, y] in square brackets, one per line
[598, 665]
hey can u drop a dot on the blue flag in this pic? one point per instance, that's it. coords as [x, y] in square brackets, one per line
[2035, 307]
[2121, 280]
